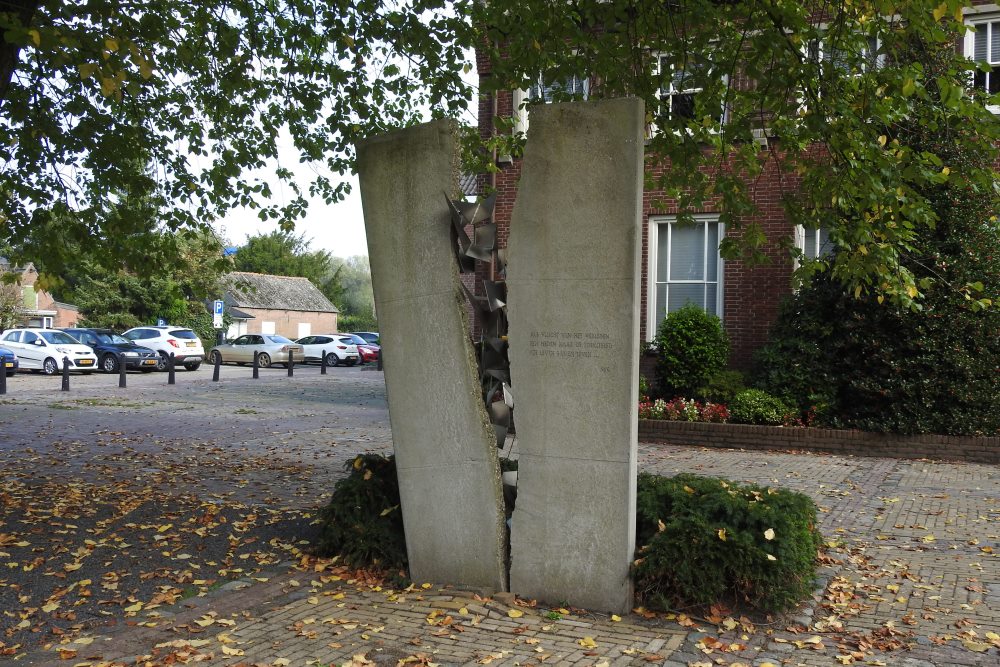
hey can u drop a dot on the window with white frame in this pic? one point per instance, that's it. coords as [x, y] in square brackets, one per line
[818, 52]
[544, 90]
[685, 266]
[677, 90]
[814, 243]
[982, 44]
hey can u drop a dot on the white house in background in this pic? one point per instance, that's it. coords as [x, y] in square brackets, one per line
[285, 305]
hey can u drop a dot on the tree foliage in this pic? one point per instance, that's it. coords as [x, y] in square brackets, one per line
[285, 254]
[866, 364]
[804, 73]
[203, 91]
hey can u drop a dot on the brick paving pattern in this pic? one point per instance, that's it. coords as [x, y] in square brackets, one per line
[911, 565]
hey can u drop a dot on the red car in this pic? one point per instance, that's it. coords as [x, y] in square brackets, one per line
[366, 351]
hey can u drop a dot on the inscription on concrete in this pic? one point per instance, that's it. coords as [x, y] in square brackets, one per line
[573, 309]
[445, 446]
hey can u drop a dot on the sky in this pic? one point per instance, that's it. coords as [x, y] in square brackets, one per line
[339, 228]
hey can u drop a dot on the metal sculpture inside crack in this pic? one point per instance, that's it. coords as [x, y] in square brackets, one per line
[494, 367]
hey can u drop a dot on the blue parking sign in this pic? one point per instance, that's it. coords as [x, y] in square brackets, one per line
[218, 306]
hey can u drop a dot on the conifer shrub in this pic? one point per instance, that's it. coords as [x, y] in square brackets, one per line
[692, 347]
[705, 540]
[363, 523]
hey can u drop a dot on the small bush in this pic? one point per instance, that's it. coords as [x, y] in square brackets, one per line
[753, 406]
[706, 540]
[692, 347]
[722, 386]
[363, 523]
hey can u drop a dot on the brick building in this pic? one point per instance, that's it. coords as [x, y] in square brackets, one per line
[39, 308]
[285, 305]
[681, 263]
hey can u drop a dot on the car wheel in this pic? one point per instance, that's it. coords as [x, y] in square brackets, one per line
[50, 366]
[193, 367]
[332, 359]
[109, 363]
[161, 363]
[215, 358]
[264, 360]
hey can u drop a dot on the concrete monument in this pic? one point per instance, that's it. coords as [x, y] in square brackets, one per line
[573, 311]
[445, 445]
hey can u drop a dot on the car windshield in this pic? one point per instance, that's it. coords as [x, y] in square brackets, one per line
[357, 340]
[186, 334]
[348, 339]
[58, 338]
[370, 337]
[278, 339]
[112, 338]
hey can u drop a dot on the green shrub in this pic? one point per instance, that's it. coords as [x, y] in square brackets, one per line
[722, 386]
[754, 406]
[363, 523]
[705, 540]
[357, 322]
[692, 346]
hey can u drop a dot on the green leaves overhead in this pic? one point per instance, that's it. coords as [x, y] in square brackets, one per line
[205, 91]
[800, 91]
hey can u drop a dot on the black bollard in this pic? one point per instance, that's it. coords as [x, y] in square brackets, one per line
[378, 360]
[65, 382]
[322, 362]
[171, 370]
[3, 380]
[218, 365]
[121, 370]
[256, 365]
[291, 364]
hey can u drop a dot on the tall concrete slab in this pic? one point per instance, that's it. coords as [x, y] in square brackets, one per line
[573, 310]
[449, 476]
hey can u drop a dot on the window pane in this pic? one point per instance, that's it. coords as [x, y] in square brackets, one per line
[824, 243]
[994, 43]
[810, 243]
[711, 292]
[979, 81]
[661, 304]
[682, 106]
[680, 295]
[662, 252]
[687, 252]
[994, 80]
[979, 52]
[712, 251]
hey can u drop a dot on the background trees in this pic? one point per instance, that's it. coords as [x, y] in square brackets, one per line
[202, 91]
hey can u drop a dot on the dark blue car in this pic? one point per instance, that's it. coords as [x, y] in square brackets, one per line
[108, 346]
[8, 361]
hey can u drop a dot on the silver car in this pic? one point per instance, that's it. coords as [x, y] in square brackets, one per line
[272, 349]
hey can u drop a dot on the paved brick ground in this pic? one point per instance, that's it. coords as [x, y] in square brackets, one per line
[912, 576]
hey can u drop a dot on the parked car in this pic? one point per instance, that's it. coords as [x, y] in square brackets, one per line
[338, 348]
[8, 361]
[44, 350]
[273, 349]
[108, 346]
[366, 351]
[164, 340]
[369, 336]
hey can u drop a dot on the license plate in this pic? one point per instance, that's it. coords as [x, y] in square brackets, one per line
[9, 364]
[149, 362]
[190, 344]
[86, 362]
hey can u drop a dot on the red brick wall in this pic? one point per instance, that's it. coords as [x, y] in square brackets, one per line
[855, 443]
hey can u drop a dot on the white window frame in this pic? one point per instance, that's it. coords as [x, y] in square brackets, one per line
[665, 221]
[975, 20]
[819, 249]
[662, 95]
[522, 97]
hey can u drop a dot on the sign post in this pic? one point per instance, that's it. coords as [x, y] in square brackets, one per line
[217, 307]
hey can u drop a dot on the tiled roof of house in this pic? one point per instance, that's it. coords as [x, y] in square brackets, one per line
[259, 290]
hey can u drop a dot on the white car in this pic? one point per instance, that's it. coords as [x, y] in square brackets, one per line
[182, 342]
[44, 350]
[338, 348]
